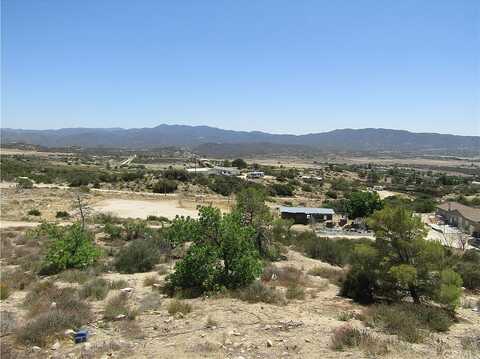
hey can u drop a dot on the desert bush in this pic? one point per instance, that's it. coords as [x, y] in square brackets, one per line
[4, 291]
[96, 289]
[138, 256]
[334, 275]
[8, 322]
[409, 321]
[62, 215]
[471, 343]
[158, 219]
[468, 267]
[258, 292]
[281, 190]
[295, 292]
[74, 276]
[70, 247]
[285, 276]
[177, 174]
[346, 316]
[46, 320]
[34, 212]
[118, 284]
[347, 336]
[24, 183]
[333, 251]
[164, 186]
[17, 278]
[119, 305]
[178, 306]
[113, 231]
[151, 301]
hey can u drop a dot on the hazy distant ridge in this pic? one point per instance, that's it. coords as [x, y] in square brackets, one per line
[368, 139]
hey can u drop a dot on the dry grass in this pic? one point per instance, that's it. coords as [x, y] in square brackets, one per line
[259, 292]
[347, 336]
[119, 306]
[48, 320]
[151, 301]
[178, 306]
[118, 284]
[96, 289]
[150, 281]
[74, 276]
[284, 276]
[295, 292]
[334, 275]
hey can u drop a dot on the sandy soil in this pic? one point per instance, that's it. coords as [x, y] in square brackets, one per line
[126, 208]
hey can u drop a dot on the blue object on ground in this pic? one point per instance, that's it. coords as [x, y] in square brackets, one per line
[81, 336]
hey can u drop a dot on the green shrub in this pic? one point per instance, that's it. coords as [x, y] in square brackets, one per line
[177, 306]
[334, 251]
[346, 316]
[96, 289]
[258, 292]
[409, 321]
[70, 247]
[282, 190]
[295, 292]
[239, 163]
[62, 215]
[177, 174]
[158, 219]
[24, 183]
[222, 254]
[469, 269]
[113, 231]
[136, 229]
[4, 291]
[34, 212]
[138, 256]
[164, 186]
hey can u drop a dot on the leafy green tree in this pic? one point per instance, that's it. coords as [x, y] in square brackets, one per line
[222, 253]
[239, 163]
[363, 204]
[72, 247]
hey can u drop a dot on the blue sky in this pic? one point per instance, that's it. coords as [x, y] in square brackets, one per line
[272, 65]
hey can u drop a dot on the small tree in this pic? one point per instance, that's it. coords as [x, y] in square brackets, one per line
[72, 247]
[363, 204]
[402, 263]
[239, 163]
[254, 212]
[222, 254]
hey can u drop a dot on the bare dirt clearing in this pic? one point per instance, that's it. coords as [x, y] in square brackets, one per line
[127, 208]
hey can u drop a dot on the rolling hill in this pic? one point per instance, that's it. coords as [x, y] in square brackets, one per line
[345, 140]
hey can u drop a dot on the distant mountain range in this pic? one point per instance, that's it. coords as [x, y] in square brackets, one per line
[344, 140]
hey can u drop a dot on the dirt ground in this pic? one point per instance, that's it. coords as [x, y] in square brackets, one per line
[126, 208]
[299, 329]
